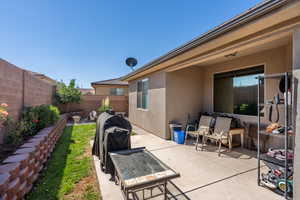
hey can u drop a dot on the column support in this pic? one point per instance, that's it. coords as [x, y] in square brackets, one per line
[296, 109]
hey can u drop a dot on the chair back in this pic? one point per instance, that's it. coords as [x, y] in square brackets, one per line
[222, 125]
[204, 122]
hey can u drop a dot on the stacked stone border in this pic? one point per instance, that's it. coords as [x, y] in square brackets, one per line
[20, 170]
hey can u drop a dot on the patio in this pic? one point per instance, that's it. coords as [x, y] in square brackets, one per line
[204, 175]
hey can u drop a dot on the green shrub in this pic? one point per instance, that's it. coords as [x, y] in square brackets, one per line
[30, 121]
[67, 93]
[39, 117]
[105, 105]
[13, 132]
[54, 114]
[103, 108]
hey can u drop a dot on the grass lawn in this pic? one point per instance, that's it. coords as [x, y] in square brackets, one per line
[69, 173]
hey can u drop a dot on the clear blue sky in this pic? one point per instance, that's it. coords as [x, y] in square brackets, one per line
[89, 40]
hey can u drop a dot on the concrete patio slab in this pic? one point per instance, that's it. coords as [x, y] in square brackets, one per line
[204, 175]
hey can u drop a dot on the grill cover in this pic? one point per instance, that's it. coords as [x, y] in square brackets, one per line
[106, 121]
[115, 139]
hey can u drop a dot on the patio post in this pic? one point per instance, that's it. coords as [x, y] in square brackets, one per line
[296, 109]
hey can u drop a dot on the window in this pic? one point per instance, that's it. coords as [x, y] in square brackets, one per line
[236, 91]
[142, 93]
[117, 91]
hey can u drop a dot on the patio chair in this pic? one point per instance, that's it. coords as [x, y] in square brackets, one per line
[203, 128]
[220, 134]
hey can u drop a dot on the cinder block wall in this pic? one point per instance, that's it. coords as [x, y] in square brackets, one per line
[93, 102]
[19, 88]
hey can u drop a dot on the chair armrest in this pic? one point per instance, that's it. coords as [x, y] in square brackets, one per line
[224, 134]
[204, 130]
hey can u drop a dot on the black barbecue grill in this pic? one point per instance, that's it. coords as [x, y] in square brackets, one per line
[112, 134]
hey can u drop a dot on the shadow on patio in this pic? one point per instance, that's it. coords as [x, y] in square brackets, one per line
[204, 175]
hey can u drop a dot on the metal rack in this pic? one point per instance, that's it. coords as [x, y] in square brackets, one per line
[262, 157]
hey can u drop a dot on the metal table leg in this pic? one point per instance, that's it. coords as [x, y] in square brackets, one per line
[165, 190]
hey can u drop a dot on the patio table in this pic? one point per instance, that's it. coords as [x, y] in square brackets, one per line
[139, 170]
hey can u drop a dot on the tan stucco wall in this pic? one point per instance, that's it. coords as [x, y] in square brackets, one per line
[275, 60]
[105, 89]
[184, 94]
[153, 119]
[174, 95]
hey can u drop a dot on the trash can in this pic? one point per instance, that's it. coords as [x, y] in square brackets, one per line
[179, 137]
[174, 127]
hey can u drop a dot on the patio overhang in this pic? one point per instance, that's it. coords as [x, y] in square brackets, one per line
[253, 45]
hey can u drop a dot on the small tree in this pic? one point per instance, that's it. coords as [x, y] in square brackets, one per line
[105, 105]
[68, 94]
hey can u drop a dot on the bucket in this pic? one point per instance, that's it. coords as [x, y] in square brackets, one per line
[179, 137]
[174, 127]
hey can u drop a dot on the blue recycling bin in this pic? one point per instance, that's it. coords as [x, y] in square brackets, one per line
[179, 136]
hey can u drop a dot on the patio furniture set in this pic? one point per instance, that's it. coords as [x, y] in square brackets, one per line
[217, 130]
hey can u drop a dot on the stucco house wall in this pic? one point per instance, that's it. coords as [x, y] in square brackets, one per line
[105, 89]
[174, 95]
[154, 118]
[276, 60]
[184, 95]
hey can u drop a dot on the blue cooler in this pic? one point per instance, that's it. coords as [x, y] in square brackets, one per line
[179, 136]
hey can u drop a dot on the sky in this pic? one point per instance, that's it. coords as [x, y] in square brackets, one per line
[89, 40]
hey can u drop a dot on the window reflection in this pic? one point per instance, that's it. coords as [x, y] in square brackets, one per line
[236, 91]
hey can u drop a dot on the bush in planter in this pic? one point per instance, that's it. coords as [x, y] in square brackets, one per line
[13, 132]
[47, 115]
[39, 117]
[3, 113]
[30, 121]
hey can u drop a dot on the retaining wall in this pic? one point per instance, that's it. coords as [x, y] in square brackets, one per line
[20, 170]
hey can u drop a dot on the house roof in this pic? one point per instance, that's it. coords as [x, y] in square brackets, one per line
[251, 14]
[87, 90]
[116, 81]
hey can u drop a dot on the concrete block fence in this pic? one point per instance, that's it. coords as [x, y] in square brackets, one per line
[20, 170]
[93, 102]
